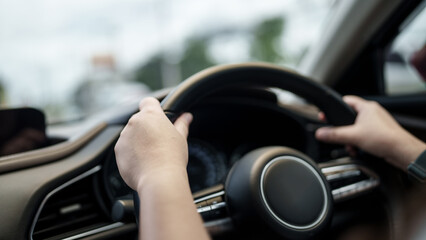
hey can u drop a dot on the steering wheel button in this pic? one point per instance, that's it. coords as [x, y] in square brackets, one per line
[293, 191]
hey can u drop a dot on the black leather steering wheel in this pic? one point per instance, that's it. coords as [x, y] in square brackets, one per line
[283, 186]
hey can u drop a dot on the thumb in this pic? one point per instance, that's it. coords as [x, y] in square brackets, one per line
[182, 124]
[340, 135]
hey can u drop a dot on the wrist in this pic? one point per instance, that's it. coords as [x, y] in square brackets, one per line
[158, 177]
[406, 152]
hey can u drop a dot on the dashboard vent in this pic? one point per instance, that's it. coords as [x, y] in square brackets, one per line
[70, 211]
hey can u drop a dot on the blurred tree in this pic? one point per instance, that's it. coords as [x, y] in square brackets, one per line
[265, 46]
[150, 73]
[195, 57]
[266, 42]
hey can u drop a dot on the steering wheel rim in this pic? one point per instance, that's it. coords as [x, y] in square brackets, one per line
[261, 75]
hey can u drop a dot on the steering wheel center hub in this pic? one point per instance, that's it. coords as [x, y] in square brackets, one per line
[293, 192]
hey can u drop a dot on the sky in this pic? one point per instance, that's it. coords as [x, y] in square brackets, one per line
[46, 46]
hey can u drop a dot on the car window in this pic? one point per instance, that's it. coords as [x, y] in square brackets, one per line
[73, 58]
[405, 66]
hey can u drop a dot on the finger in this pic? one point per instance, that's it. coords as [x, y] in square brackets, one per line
[182, 123]
[355, 102]
[341, 135]
[149, 102]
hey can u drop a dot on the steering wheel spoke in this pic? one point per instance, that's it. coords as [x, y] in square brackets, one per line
[348, 179]
[212, 207]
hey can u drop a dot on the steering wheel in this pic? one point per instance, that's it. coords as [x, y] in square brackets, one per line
[283, 186]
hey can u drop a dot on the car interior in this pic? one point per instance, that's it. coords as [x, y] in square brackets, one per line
[67, 184]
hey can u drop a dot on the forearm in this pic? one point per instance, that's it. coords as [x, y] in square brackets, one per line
[167, 210]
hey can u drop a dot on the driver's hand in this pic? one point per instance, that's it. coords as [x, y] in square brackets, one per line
[151, 145]
[376, 132]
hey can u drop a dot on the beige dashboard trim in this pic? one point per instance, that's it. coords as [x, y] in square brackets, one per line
[48, 154]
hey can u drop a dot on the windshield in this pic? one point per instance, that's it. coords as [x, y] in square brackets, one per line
[73, 58]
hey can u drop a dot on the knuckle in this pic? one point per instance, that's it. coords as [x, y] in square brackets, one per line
[333, 135]
[134, 119]
[117, 147]
[131, 122]
[148, 101]
[150, 109]
[374, 104]
[151, 100]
